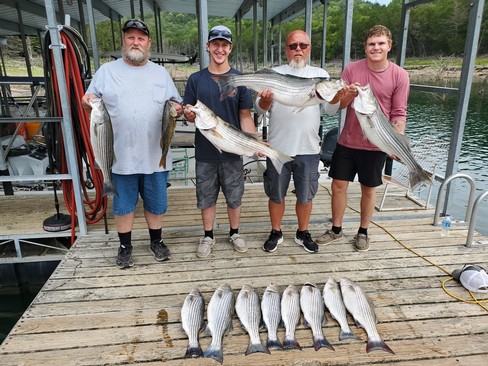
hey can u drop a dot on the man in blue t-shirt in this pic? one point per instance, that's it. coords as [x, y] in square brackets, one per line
[215, 170]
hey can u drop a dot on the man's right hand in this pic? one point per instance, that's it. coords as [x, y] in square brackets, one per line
[85, 102]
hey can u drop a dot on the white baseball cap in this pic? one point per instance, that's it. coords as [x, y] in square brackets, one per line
[473, 278]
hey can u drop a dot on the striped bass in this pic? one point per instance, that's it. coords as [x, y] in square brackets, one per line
[290, 313]
[168, 126]
[290, 90]
[219, 320]
[379, 131]
[226, 137]
[333, 301]
[102, 141]
[249, 313]
[192, 322]
[361, 308]
[271, 310]
[313, 310]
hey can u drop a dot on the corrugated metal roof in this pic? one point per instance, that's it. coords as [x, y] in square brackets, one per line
[30, 15]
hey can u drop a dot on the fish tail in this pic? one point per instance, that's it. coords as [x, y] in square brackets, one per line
[279, 160]
[291, 344]
[109, 189]
[226, 86]
[162, 162]
[214, 352]
[274, 344]
[193, 352]
[419, 176]
[347, 335]
[256, 347]
[319, 343]
[378, 345]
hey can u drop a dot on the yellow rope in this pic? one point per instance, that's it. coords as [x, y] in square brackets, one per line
[474, 301]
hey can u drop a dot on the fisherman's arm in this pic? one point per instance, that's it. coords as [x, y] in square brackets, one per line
[350, 93]
[247, 122]
[399, 125]
[85, 101]
[189, 114]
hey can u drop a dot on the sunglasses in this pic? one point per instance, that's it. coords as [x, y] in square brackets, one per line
[135, 23]
[220, 33]
[294, 46]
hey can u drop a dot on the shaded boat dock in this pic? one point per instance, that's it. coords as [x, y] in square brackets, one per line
[91, 312]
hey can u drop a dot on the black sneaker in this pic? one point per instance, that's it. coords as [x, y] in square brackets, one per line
[275, 238]
[304, 239]
[159, 250]
[124, 257]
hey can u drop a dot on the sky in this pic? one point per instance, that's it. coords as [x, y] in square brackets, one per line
[382, 2]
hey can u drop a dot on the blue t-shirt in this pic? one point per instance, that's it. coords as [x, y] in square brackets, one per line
[201, 86]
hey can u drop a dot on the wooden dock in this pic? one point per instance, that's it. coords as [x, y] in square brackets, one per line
[92, 313]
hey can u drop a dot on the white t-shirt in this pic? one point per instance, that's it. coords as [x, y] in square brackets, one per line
[292, 131]
[134, 97]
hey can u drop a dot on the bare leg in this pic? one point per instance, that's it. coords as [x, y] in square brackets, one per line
[339, 201]
[208, 217]
[303, 212]
[124, 223]
[276, 212]
[234, 215]
[153, 221]
[368, 201]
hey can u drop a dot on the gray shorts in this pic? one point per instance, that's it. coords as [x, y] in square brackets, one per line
[228, 175]
[305, 169]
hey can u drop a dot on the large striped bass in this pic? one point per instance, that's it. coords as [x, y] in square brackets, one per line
[290, 90]
[219, 320]
[334, 303]
[271, 310]
[379, 131]
[362, 310]
[290, 313]
[192, 322]
[313, 310]
[226, 137]
[249, 313]
[102, 141]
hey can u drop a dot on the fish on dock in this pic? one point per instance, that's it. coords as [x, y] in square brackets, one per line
[168, 126]
[192, 322]
[379, 131]
[271, 310]
[334, 303]
[290, 313]
[313, 310]
[102, 141]
[289, 90]
[361, 308]
[249, 312]
[226, 137]
[219, 320]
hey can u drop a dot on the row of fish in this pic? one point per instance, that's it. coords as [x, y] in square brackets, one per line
[275, 310]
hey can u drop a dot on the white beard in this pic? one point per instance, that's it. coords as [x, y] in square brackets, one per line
[297, 65]
[135, 55]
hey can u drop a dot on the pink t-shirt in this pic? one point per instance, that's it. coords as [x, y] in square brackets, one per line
[391, 87]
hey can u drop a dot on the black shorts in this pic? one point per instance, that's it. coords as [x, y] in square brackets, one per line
[368, 165]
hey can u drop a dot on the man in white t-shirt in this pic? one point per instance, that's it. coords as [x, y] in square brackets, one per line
[296, 133]
[134, 91]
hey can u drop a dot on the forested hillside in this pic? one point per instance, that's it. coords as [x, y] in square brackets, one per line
[436, 29]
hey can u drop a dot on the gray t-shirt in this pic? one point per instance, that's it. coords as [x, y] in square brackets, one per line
[134, 97]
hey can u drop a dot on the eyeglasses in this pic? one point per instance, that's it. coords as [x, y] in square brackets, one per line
[216, 33]
[136, 23]
[293, 46]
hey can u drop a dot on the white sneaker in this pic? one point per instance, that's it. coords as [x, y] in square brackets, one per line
[239, 244]
[205, 247]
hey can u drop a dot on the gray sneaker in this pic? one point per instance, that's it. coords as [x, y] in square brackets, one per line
[205, 247]
[328, 237]
[362, 243]
[239, 244]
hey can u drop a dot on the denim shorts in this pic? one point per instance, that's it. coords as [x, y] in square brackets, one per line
[368, 165]
[305, 170]
[228, 175]
[151, 187]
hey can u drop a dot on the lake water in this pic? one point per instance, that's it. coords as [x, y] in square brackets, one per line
[431, 116]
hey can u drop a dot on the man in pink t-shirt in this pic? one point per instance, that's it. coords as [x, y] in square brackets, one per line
[354, 154]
